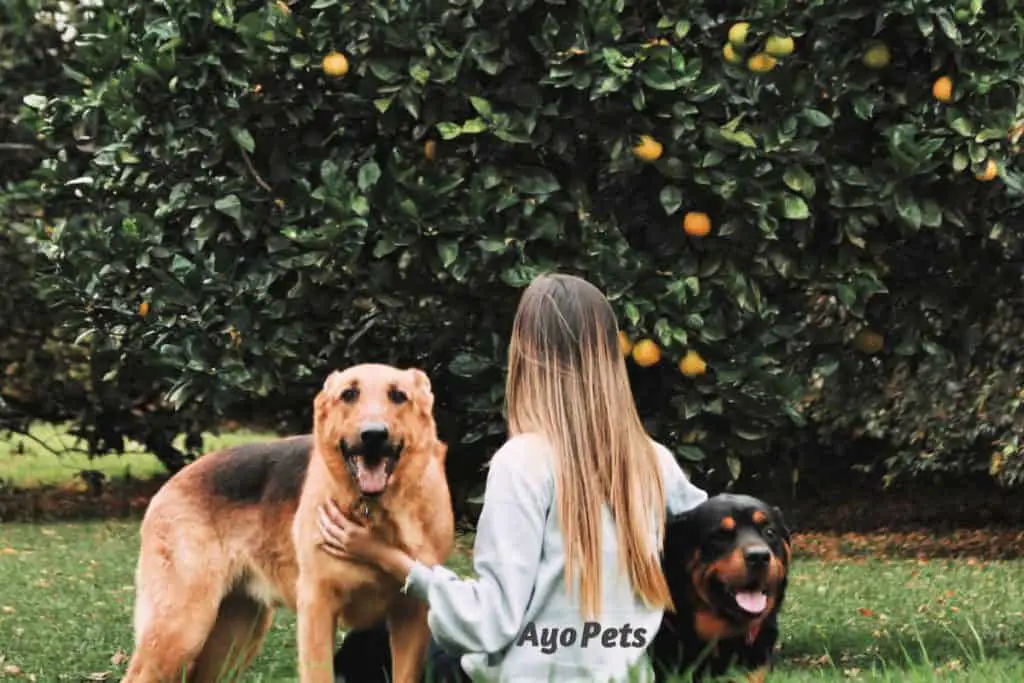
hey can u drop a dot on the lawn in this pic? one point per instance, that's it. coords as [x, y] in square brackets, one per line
[66, 597]
[50, 456]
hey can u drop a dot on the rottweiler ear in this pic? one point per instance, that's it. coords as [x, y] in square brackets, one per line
[424, 391]
[681, 538]
[780, 522]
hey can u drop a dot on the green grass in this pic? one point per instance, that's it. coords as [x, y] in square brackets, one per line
[66, 597]
[50, 456]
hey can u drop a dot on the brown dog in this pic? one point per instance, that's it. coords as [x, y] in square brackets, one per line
[234, 535]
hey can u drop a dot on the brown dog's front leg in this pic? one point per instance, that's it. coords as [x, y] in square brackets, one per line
[316, 636]
[410, 636]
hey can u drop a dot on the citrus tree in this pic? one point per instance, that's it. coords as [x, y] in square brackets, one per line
[42, 374]
[782, 201]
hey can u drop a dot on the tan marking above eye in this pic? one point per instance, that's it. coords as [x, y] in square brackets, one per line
[728, 524]
[760, 517]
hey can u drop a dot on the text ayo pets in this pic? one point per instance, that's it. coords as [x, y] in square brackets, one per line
[549, 639]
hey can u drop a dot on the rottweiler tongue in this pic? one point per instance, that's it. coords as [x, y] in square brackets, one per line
[752, 601]
[372, 478]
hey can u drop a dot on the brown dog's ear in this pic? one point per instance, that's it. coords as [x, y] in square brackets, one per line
[332, 386]
[424, 392]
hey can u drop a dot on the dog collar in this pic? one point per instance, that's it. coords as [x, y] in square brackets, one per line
[361, 507]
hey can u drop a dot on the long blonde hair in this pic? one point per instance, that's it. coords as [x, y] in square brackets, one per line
[567, 381]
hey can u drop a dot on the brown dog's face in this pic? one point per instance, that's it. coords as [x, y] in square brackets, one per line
[733, 552]
[370, 417]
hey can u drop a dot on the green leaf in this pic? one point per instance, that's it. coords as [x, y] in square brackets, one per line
[735, 466]
[468, 365]
[740, 137]
[474, 126]
[448, 251]
[230, 205]
[948, 26]
[369, 174]
[243, 138]
[817, 118]
[671, 199]
[37, 102]
[847, 295]
[448, 130]
[962, 126]
[632, 313]
[536, 180]
[482, 106]
[794, 208]
[908, 209]
[799, 180]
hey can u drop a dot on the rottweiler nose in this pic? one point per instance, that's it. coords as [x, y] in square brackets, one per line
[757, 558]
[374, 437]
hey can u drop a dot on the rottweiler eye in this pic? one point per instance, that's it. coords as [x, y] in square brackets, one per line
[350, 395]
[768, 533]
[397, 397]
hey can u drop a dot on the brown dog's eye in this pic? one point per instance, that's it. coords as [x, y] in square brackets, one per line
[397, 397]
[350, 395]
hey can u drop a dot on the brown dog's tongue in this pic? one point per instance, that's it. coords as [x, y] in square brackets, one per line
[752, 601]
[372, 479]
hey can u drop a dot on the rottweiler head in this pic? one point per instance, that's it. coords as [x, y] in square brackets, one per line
[729, 557]
[369, 417]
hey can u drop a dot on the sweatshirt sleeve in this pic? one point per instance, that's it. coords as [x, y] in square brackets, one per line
[680, 495]
[486, 614]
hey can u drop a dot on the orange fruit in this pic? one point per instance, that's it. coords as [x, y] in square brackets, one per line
[869, 342]
[990, 172]
[697, 224]
[646, 353]
[144, 309]
[942, 89]
[692, 364]
[761, 63]
[335, 64]
[738, 32]
[648, 149]
[877, 56]
[430, 149]
[729, 53]
[779, 46]
[625, 345]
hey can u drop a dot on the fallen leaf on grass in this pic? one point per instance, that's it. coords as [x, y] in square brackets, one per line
[865, 612]
[119, 658]
[98, 676]
[7, 609]
[9, 551]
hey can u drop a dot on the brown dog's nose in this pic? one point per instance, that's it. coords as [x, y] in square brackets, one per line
[374, 437]
[757, 557]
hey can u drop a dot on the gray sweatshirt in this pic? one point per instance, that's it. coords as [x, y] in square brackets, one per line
[515, 622]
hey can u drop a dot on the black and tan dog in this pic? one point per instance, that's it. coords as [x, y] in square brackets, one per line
[727, 565]
[234, 535]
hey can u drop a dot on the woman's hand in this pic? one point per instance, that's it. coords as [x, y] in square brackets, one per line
[346, 538]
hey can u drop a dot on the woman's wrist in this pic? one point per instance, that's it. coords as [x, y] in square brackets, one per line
[397, 564]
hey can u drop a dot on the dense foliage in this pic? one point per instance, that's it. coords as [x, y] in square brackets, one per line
[833, 234]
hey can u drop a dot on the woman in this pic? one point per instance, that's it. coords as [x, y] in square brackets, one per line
[569, 585]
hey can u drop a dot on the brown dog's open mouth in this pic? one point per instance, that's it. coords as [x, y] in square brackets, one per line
[372, 478]
[371, 471]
